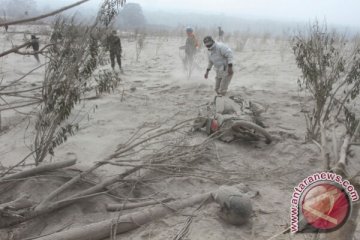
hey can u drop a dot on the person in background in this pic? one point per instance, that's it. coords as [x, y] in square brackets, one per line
[221, 34]
[221, 57]
[35, 46]
[191, 46]
[115, 49]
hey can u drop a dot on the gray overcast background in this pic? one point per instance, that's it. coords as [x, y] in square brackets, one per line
[339, 12]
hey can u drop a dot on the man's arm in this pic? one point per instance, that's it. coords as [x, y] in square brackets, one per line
[228, 54]
[210, 64]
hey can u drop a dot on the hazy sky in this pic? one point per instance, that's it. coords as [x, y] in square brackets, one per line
[343, 12]
[335, 11]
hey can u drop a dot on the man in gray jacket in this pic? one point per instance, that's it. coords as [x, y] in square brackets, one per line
[221, 57]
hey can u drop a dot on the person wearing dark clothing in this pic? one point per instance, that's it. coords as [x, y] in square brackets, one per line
[114, 46]
[35, 46]
[191, 46]
[6, 27]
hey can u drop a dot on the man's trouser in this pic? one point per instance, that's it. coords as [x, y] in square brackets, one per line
[36, 56]
[36, 48]
[189, 60]
[223, 80]
[112, 59]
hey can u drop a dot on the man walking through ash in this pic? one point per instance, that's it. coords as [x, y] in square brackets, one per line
[114, 46]
[190, 47]
[221, 57]
[35, 46]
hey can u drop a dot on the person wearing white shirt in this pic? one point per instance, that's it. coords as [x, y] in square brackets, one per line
[221, 58]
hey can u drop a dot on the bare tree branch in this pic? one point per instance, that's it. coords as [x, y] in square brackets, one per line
[20, 91]
[40, 169]
[44, 15]
[14, 49]
[20, 106]
[41, 51]
[22, 77]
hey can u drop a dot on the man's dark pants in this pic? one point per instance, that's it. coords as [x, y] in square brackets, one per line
[112, 58]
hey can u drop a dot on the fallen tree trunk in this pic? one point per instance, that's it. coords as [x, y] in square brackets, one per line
[234, 204]
[100, 186]
[19, 203]
[103, 229]
[124, 206]
[39, 169]
[46, 202]
[47, 208]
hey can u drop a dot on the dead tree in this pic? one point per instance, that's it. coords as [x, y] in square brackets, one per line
[236, 204]
[331, 74]
[47, 205]
[72, 59]
[329, 65]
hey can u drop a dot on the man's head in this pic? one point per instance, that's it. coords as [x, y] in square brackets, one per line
[33, 36]
[189, 30]
[209, 41]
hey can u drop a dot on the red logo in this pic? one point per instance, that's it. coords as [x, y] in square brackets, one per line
[326, 206]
